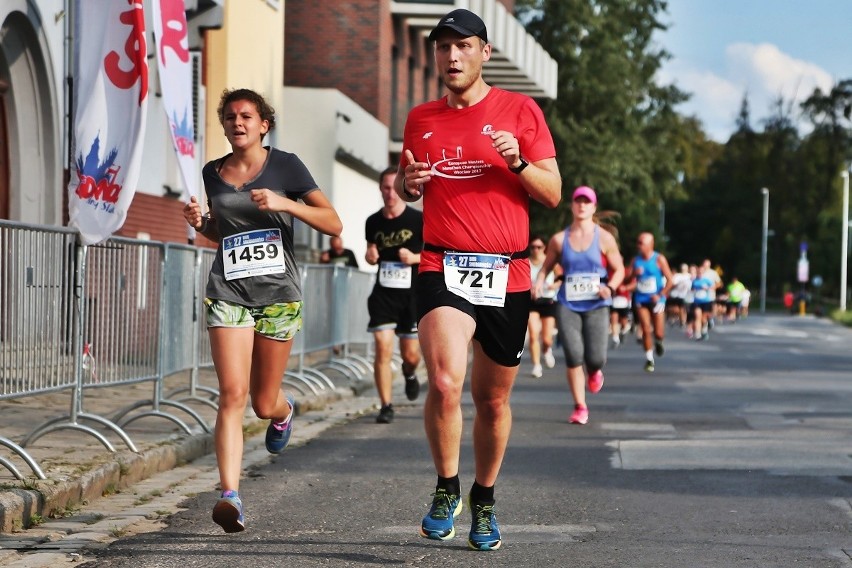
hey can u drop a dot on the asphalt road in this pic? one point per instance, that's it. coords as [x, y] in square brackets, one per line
[735, 452]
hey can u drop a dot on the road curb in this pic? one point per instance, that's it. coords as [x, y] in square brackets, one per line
[20, 508]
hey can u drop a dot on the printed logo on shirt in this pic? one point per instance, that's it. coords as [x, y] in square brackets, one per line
[455, 167]
[487, 130]
[392, 239]
[427, 135]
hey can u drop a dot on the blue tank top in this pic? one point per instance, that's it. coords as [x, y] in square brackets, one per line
[584, 273]
[649, 278]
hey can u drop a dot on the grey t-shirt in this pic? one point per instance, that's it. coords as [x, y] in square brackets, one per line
[235, 213]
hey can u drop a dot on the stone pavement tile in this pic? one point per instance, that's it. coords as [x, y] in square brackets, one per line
[144, 506]
[80, 469]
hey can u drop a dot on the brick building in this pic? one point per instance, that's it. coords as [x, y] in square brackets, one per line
[342, 76]
[375, 54]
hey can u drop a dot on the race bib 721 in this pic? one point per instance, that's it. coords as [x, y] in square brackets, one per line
[479, 278]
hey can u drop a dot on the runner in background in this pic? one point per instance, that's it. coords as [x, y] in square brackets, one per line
[736, 292]
[394, 240]
[704, 303]
[619, 315]
[592, 270]
[651, 280]
[541, 324]
[677, 298]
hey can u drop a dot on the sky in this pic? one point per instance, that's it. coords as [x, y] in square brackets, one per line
[723, 49]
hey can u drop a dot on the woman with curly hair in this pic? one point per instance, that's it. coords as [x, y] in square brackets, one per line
[253, 298]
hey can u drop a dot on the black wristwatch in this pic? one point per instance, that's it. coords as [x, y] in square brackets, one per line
[520, 167]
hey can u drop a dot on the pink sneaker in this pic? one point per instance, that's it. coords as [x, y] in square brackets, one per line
[580, 415]
[596, 381]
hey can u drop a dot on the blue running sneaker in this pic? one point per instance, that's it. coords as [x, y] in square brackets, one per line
[228, 512]
[278, 433]
[438, 522]
[484, 533]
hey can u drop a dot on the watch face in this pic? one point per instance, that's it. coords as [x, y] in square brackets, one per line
[520, 167]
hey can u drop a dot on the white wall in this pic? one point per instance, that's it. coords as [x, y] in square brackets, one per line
[356, 197]
[317, 124]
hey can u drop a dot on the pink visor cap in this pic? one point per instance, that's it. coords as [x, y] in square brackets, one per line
[587, 192]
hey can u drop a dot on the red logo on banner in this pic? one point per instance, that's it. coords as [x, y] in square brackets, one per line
[174, 30]
[136, 51]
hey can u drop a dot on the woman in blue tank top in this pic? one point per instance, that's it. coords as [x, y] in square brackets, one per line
[593, 268]
[650, 278]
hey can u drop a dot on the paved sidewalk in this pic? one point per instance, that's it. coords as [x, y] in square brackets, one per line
[80, 469]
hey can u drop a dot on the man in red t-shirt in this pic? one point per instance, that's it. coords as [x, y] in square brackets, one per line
[476, 156]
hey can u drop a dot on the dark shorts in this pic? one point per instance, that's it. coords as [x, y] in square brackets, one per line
[649, 305]
[545, 309]
[500, 331]
[675, 302]
[703, 307]
[392, 309]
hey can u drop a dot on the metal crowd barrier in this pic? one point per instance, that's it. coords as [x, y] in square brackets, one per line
[196, 353]
[121, 288]
[129, 311]
[351, 310]
[37, 319]
[177, 328]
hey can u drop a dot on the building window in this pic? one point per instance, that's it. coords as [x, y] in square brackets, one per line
[395, 126]
[412, 73]
[427, 80]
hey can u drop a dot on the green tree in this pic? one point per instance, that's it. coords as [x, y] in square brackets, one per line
[825, 152]
[721, 216]
[615, 129]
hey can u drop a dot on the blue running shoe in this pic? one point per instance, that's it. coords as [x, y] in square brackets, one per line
[228, 512]
[438, 522]
[484, 533]
[278, 433]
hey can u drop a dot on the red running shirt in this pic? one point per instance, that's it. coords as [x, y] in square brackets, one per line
[473, 202]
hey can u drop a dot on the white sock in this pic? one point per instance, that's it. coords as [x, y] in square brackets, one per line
[649, 355]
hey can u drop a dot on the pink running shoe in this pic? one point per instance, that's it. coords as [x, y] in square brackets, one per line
[580, 415]
[596, 381]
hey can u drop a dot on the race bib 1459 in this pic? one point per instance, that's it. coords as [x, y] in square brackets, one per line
[253, 253]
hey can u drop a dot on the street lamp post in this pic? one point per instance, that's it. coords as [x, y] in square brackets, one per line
[844, 243]
[765, 236]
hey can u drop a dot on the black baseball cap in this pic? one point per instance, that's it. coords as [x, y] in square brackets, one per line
[462, 21]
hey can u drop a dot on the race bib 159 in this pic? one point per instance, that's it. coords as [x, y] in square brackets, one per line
[582, 286]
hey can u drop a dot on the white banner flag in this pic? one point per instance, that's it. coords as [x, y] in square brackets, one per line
[110, 106]
[175, 66]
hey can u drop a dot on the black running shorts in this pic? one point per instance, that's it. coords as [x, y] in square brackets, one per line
[392, 309]
[500, 331]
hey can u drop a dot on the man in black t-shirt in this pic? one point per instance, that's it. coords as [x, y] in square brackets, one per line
[338, 255]
[394, 241]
